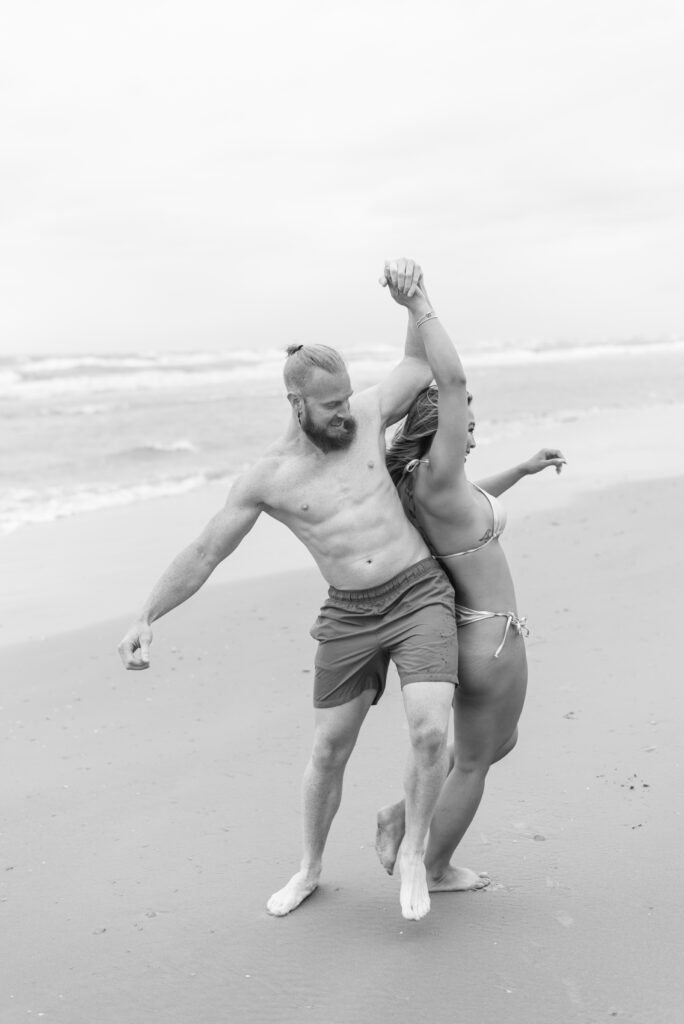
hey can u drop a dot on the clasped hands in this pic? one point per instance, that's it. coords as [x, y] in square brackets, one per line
[404, 278]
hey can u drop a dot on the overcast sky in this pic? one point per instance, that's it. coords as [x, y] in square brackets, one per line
[195, 174]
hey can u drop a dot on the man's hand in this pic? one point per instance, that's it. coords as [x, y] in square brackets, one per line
[135, 647]
[403, 278]
[543, 459]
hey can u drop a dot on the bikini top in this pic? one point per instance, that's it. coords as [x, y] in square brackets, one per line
[498, 512]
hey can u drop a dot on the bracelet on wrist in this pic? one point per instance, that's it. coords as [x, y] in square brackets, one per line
[424, 319]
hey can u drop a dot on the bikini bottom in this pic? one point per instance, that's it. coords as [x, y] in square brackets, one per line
[465, 616]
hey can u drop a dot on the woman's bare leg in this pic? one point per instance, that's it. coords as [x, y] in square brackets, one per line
[392, 819]
[486, 710]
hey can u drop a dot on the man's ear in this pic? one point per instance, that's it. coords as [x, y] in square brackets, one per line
[296, 403]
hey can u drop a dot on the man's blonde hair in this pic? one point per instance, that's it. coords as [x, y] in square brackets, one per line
[302, 360]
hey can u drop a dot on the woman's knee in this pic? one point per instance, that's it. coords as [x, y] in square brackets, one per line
[473, 762]
[480, 758]
[506, 747]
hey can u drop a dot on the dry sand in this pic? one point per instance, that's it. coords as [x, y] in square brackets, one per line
[147, 817]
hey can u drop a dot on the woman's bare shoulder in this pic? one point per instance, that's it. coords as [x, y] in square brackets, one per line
[446, 498]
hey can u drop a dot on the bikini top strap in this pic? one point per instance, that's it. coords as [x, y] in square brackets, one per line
[407, 482]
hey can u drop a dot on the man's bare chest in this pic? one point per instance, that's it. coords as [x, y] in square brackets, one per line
[316, 490]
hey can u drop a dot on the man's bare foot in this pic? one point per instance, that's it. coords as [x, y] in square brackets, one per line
[458, 880]
[389, 835]
[413, 895]
[291, 895]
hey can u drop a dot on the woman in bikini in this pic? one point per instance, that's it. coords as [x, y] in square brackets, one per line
[462, 523]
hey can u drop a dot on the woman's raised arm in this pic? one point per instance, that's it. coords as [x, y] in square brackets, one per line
[447, 452]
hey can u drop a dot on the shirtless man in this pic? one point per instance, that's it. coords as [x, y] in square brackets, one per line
[326, 480]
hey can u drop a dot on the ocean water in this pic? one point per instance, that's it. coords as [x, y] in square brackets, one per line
[80, 433]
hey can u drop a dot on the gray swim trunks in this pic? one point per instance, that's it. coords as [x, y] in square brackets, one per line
[409, 619]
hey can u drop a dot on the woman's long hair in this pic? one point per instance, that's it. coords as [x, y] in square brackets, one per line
[414, 437]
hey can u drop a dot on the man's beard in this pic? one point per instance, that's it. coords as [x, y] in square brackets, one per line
[326, 442]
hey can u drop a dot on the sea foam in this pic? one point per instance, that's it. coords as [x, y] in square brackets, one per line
[38, 377]
[24, 506]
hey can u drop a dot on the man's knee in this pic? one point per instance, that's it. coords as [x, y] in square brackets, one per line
[429, 738]
[428, 710]
[331, 750]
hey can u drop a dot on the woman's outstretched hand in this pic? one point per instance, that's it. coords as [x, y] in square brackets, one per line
[543, 459]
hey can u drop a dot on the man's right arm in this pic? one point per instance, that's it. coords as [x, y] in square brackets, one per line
[192, 567]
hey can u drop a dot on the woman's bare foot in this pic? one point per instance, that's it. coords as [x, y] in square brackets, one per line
[291, 895]
[391, 824]
[413, 895]
[458, 880]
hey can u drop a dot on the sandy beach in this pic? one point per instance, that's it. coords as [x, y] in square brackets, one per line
[148, 817]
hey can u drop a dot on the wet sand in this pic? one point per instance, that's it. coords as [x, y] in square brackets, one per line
[147, 817]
